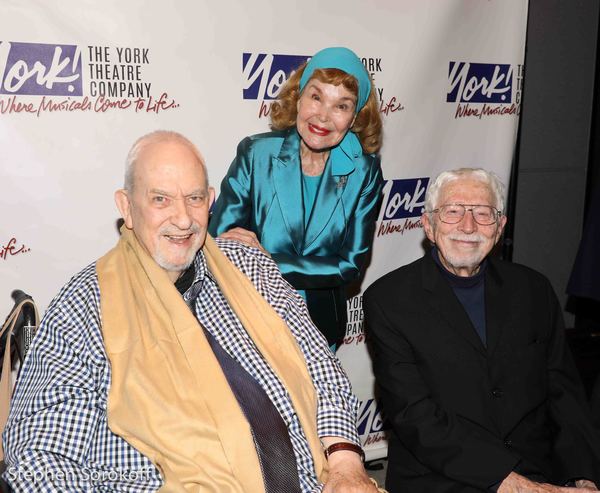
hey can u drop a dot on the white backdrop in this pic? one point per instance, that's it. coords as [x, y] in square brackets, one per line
[81, 80]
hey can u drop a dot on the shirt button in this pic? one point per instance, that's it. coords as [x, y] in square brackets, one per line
[508, 443]
[497, 393]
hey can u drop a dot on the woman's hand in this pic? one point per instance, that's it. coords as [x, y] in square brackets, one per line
[244, 236]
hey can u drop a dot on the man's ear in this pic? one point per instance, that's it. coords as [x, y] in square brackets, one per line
[124, 205]
[428, 226]
[211, 196]
[500, 228]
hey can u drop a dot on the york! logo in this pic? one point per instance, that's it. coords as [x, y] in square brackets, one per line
[40, 69]
[404, 198]
[479, 83]
[370, 418]
[264, 74]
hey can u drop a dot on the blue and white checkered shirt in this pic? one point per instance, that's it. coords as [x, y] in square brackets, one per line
[57, 438]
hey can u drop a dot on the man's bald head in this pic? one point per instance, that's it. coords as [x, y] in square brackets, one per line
[153, 138]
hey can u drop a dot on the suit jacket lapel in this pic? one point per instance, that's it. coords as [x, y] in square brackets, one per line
[287, 181]
[444, 301]
[496, 309]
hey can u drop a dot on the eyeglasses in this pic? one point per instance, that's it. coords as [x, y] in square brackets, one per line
[484, 215]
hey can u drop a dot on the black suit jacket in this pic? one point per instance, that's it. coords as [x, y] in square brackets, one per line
[464, 415]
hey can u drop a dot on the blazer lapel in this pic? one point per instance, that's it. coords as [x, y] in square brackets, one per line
[496, 308]
[287, 181]
[333, 184]
[329, 194]
[444, 301]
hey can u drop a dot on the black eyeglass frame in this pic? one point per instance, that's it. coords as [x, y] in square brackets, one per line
[469, 207]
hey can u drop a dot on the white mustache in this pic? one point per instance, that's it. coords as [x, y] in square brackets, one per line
[472, 238]
[168, 231]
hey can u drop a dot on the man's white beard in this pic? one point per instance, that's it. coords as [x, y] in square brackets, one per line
[180, 267]
[466, 260]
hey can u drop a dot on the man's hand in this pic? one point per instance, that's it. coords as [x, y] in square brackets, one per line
[347, 474]
[244, 236]
[515, 483]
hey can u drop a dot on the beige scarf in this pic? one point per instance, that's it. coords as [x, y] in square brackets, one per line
[168, 396]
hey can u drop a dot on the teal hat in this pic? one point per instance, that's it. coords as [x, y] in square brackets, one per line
[345, 60]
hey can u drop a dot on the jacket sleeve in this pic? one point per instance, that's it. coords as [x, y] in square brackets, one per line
[345, 265]
[577, 441]
[437, 438]
[234, 205]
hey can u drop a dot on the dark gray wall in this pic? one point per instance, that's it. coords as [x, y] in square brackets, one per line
[555, 136]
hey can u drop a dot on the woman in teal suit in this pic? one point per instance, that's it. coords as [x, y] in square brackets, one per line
[308, 192]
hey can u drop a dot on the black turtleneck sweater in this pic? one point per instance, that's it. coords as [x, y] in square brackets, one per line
[471, 293]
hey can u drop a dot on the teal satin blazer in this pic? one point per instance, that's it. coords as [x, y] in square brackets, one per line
[262, 192]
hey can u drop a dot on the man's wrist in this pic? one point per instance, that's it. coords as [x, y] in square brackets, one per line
[344, 446]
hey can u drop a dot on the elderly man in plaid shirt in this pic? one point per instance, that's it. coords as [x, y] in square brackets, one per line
[179, 363]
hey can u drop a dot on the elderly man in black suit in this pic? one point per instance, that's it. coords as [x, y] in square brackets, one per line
[470, 356]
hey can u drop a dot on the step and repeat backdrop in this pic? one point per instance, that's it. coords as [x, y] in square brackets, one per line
[80, 80]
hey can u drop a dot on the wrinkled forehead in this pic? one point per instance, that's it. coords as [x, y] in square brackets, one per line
[169, 164]
[465, 190]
